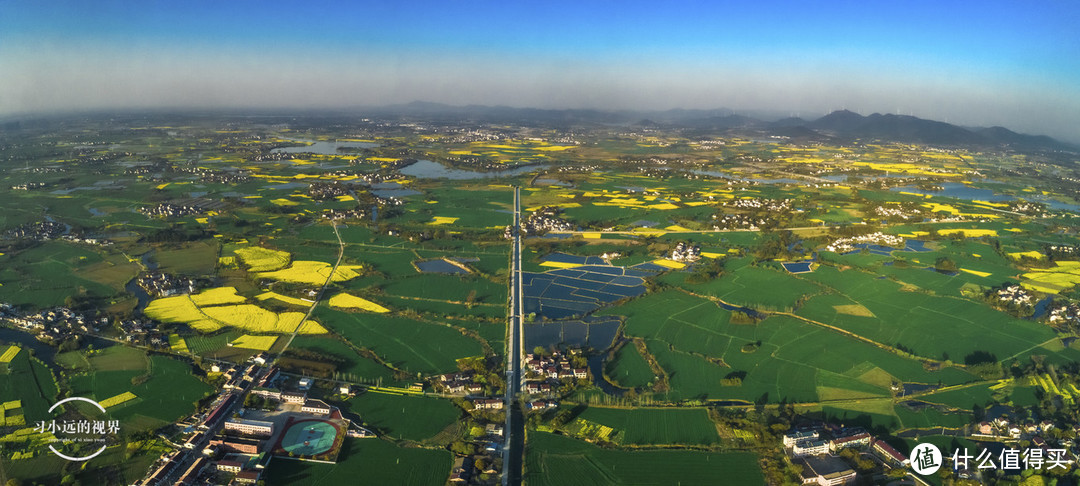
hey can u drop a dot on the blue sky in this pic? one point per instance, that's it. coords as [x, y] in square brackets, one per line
[1015, 64]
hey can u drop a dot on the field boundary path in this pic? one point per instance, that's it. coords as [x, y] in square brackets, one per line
[318, 296]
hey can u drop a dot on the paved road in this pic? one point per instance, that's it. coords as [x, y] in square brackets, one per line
[515, 423]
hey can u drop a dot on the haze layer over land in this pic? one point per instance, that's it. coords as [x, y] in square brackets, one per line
[999, 63]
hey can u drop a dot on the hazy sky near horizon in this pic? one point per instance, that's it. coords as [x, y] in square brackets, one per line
[1008, 63]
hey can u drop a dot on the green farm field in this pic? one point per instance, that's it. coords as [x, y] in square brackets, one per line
[413, 345]
[355, 367]
[628, 368]
[405, 417]
[741, 285]
[46, 275]
[166, 391]
[31, 381]
[372, 462]
[796, 360]
[932, 326]
[655, 426]
[557, 460]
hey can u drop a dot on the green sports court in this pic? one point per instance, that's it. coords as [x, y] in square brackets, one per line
[309, 437]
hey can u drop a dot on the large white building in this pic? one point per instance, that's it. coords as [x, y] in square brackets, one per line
[252, 427]
[315, 407]
[810, 447]
[792, 437]
[826, 471]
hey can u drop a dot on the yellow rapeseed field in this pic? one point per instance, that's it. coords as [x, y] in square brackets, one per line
[117, 400]
[246, 316]
[669, 264]
[437, 220]
[1053, 280]
[258, 343]
[9, 354]
[290, 321]
[311, 327]
[177, 344]
[560, 264]
[180, 308]
[312, 273]
[968, 233]
[259, 259]
[217, 296]
[348, 301]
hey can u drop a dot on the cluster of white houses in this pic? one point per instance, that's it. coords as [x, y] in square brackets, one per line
[460, 383]
[844, 245]
[1014, 294]
[686, 252]
[554, 369]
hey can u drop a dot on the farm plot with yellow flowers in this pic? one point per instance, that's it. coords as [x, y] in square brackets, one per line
[258, 343]
[347, 301]
[313, 273]
[212, 313]
[259, 259]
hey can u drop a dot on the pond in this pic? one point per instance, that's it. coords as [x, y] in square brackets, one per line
[596, 369]
[571, 292]
[1042, 307]
[597, 333]
[26, 340]
[796, 267]
[133, 286]
[543, 181]
[909, 388]
[392, 189]
[426, 169]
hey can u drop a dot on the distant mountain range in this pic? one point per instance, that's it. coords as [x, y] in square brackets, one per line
[842, 125]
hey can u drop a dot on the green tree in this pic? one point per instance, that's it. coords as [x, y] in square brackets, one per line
[945, 264]
[462, 447]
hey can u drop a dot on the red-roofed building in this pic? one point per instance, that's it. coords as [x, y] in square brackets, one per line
[850, 441]
[889, 454]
